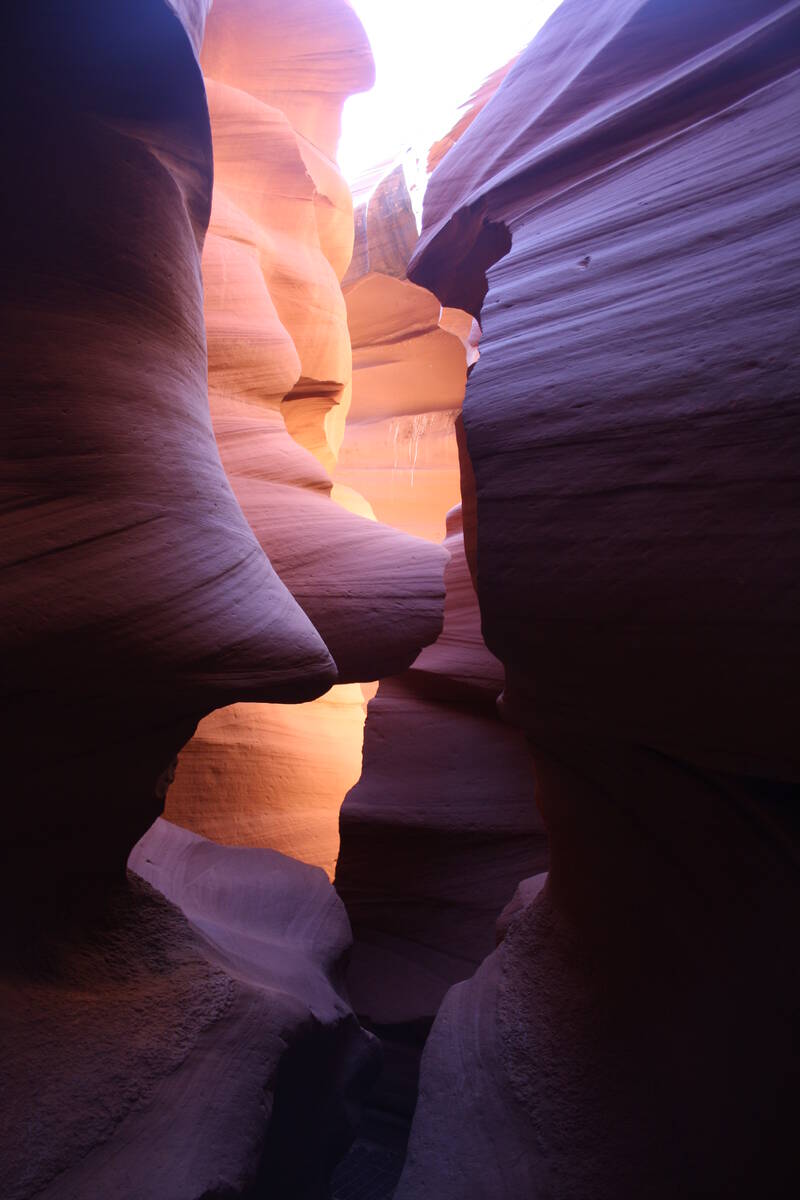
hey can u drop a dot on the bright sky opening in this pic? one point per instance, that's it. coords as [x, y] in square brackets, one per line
[430, 56]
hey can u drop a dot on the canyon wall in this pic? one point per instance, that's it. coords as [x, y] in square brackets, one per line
[622, 214]
[181, 1031]
[135, 595]
[441, 826]
[399, 449]
[476, 103]
[410, 359]
[280, 386]
[205, 407]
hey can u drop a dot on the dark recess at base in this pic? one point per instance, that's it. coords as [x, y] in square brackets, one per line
[372, 1167]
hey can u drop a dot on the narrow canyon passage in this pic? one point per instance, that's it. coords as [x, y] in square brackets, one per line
[399, 601]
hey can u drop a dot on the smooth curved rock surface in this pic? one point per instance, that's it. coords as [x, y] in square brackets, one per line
[674, 388]
[385, 230]
[409, 371]
[278, 333]
[145, 1053]
[279, 70]
[280, 366]
[476, 103]
[273, 774]
[442, 825]
[410, 362]
[632, 427]
[590, 1054]
[201, 1052]
[112, 471]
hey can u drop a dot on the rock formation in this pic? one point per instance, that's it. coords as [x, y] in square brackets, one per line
[631, 425]
[148, 1051]
[273, 774]
[476, 103]
[385, 230]
[153, 1053]
[442, 825]
[410, 358]
[116, 500]
[280, 365]
[205, 407]
[409, 371]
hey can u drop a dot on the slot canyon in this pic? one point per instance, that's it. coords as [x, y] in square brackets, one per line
[400, 610]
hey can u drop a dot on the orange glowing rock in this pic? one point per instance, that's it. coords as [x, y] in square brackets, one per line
[410, 358]
[148, 1052]
[273, 774]
[385, 230]
[304, 58]
[280, 367]
[399, 447]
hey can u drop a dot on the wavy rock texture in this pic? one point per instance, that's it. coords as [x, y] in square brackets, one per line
[399, 448]
[280, 366]
[476, 103]
[385, 230]
[442, 825]
[201, 1052]
[410, 359]
[146, 1053]
[631, 425]
[295, 64]
[273, 774]
[99, 328]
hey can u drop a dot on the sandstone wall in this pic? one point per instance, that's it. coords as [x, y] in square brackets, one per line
[632, 428]
[280, 385]
[441, 825]
[190, 1038]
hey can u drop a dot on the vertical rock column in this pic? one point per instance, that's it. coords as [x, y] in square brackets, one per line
[399, 448]
[633, 429]
[135, 595]
[280, 367]
[188, 1036]
[442, 826]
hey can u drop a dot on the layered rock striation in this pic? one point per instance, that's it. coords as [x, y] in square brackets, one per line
[135, 595]
[200, 424]
[442, 825]
[186, 1036]
[399, 450]
[631, 425]
[193, 1040]
[410, 360]
[280, 367]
